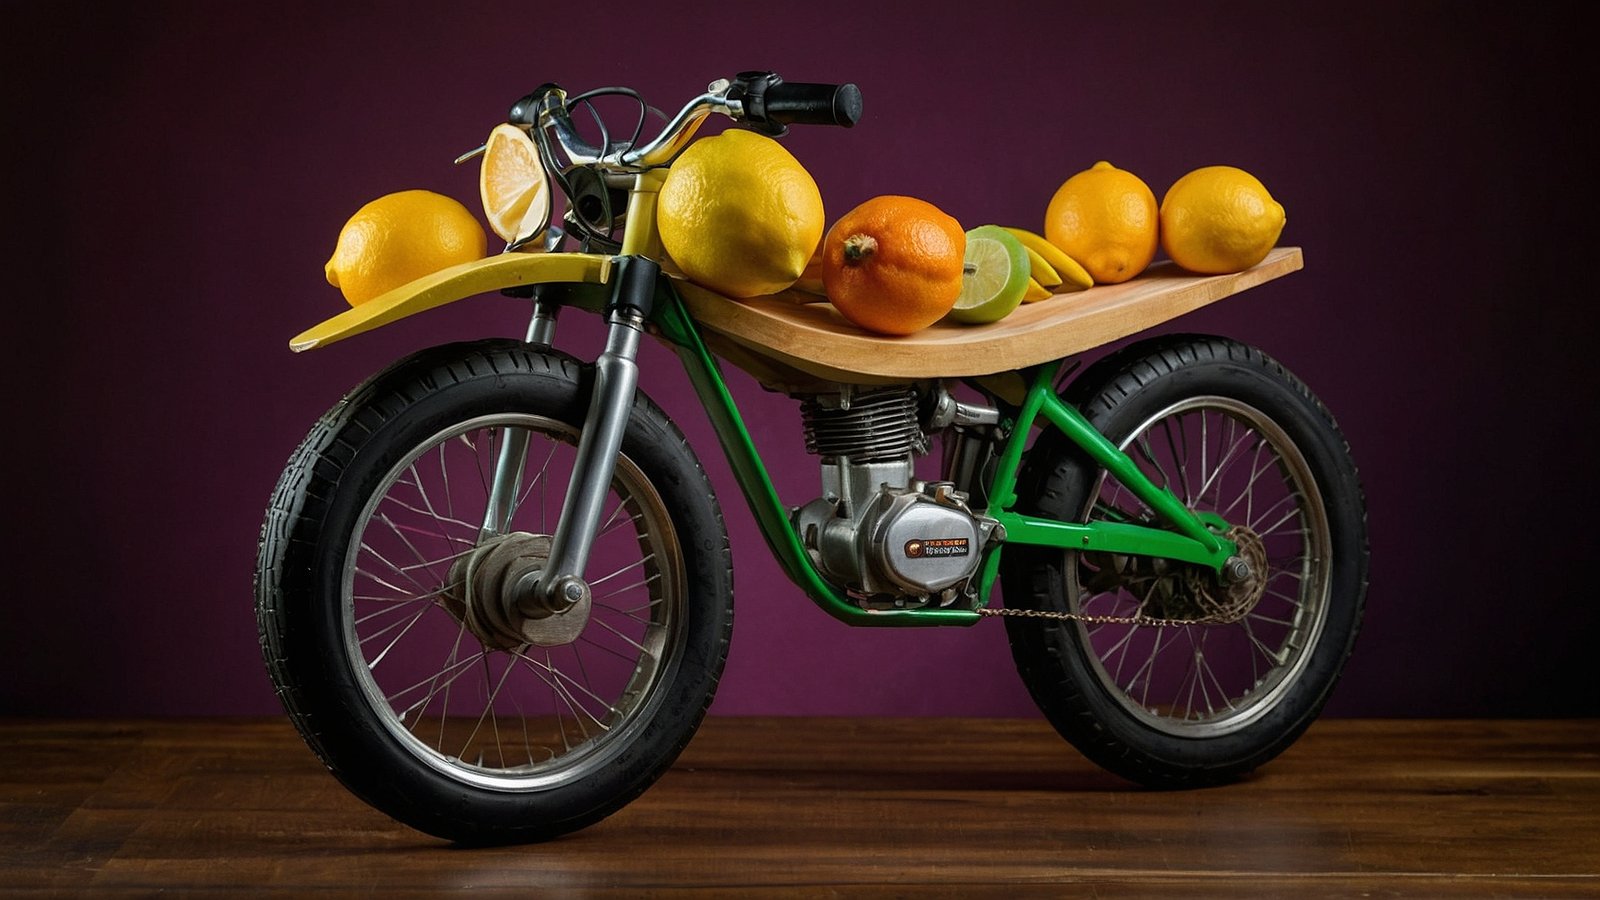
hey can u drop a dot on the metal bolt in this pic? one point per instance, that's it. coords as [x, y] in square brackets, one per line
[1237, 569]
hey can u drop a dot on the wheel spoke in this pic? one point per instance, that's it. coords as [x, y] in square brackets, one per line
[1143, 445]
[1178, 458]
[403, 632]
[637, 584]
[375, 579]
[403, 600]
[444, 475]
[453, 668]
[565, 681]
[1247, 493]
[488, 705]
[392, 567]
[1223, 465]
[611, 575]
[1278, 657]
[426, 509]
[538, 479]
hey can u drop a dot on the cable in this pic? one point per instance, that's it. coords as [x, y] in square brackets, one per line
[574, 220]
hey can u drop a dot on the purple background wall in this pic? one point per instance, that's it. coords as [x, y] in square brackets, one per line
[176, 175]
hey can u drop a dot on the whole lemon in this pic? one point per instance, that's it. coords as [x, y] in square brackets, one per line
[739, 214]
[1106, 219]
[399, 238]
[1219, 219]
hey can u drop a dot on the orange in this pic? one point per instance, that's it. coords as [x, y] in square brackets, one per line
[399, 238]
[894, 264]
[1106, 219]
[1219, 219]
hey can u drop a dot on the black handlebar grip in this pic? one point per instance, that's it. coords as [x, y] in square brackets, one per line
[795, 103]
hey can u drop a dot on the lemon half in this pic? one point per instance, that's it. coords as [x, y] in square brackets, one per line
[512, 184]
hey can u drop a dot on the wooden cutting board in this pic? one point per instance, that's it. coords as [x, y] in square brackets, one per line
[814, 338]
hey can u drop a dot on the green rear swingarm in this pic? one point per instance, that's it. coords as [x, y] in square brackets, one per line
[1195, 538]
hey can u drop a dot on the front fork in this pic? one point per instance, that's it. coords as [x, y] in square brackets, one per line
[560, 584]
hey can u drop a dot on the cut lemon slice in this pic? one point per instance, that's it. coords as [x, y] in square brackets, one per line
[996, 276]
[511, 182]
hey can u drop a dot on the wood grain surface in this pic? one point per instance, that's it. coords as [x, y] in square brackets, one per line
[816, 339]
[822, 807]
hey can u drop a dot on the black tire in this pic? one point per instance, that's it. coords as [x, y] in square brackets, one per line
[1074, 671]
[349, 701]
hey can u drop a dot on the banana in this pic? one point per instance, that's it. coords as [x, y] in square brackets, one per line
[1042, 272]
[1036, 291]
[811, 286]
[811, 279]
[1073, 276]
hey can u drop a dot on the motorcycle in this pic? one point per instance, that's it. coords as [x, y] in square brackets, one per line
[494, 586]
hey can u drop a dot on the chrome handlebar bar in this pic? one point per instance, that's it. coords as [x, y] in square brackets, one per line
[761, 100]
[553, 117]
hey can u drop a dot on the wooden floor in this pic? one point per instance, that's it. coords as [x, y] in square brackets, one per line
[826, 807]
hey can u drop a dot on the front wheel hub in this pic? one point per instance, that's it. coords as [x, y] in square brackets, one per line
[493, 590]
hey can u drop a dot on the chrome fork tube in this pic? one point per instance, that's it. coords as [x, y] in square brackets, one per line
[542, 327]
[513, 456]
[507, 483]
[616, 376]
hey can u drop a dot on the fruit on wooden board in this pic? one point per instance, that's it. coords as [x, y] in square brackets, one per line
[995, 276]
[512, 185]
[739, 214]
[1219, 219]
[1041, 272]
[1059, 271]
[1105, 218]
[894, 264]
[810, 279]
[399, 238]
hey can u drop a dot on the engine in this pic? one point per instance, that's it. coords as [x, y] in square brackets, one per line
[891, 540]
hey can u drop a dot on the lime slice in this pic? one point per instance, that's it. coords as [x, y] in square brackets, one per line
[997, 270]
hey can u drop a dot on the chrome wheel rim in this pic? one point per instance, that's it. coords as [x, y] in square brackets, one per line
[1220, 455]
[523, 718]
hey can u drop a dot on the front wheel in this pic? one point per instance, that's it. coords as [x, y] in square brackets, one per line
[1236, 672]
[377, 594]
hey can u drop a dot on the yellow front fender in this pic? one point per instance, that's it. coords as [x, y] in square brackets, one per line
[480, 276]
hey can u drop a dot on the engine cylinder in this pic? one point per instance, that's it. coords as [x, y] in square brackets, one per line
[867, 427]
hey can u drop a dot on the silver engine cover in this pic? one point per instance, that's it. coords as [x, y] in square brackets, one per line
[906, 542]
[924, 546]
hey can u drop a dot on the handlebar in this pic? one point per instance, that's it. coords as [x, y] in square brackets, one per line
[770, 104]
[761, 100]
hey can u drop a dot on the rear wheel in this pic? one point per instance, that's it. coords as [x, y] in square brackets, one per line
[1248, 665]
[379, 598]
